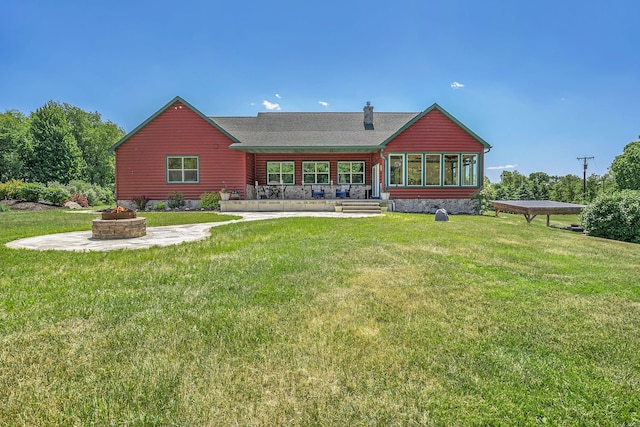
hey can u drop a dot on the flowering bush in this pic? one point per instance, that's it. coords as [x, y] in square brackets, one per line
[614, 216]
[79, 199]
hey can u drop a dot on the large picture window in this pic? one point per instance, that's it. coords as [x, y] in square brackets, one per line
[280, 172]
[433, 169]
[396, 169]
[451, 169]
[414, 169]
[350, 172]
[315, 172]
[183, 169]
[470, 169]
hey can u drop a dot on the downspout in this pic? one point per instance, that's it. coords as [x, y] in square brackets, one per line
[384, 165]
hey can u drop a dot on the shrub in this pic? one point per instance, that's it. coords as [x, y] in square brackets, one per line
[614, 216]
[209, 200]
[140, 201]
[56, 195]
[31, 192]
[79, 199]
[4, 208]
[9, 189]
[175, 199]
[160, 206]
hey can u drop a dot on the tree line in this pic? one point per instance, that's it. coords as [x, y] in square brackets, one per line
[57, 143]
[624, 174]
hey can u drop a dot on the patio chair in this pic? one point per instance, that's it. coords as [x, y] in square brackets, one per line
[317, 192]
[343, 192]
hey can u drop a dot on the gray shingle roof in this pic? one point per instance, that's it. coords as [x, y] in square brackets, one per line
[311, 131]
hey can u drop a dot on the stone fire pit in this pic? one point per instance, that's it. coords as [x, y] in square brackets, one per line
[119, 223]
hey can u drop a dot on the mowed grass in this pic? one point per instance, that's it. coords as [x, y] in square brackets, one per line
[393, 320]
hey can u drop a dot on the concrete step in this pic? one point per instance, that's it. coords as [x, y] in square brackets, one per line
[367, 207]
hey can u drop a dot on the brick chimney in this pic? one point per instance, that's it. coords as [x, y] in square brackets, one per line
[368, 116]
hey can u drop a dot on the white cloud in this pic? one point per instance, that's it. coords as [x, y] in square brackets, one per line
[502, 167]
[323, 103]
[456, 85]
[271, 105]
[278, 96]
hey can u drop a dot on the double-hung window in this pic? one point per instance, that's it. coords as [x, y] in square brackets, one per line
[183, 169]
[469, 169]
[350, 172]
[315, 172]
[280, 172]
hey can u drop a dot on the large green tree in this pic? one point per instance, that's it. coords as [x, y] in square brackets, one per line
[14, 145]
[626, 167]
[94, 137]
[56, 156]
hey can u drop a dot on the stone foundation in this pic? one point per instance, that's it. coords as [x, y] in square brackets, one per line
[452, 206]
[119, 228]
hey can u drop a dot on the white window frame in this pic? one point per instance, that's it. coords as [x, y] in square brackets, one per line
[183, 171]
[280, 173]
[456, 183]
[316, 173]
[351, 173]
[473, 168]
[393, 163]
[421, 183]
[426, 169]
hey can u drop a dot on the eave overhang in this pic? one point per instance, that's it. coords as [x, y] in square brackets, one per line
[306, 149]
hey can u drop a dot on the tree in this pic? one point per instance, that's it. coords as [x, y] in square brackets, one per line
[14, 145]
[567, 189]
[626, 167]
[94, 137]
[55, 156]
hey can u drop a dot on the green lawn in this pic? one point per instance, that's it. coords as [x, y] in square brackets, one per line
[394, 320]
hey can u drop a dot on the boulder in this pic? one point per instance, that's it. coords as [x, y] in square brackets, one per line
[72, 205]
[442, 215]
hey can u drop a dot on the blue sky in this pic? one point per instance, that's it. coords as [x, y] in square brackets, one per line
[543, 82]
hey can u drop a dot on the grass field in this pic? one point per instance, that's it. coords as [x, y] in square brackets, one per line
[393, 320]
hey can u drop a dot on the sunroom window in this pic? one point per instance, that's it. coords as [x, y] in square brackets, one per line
[470, 169]
[350, 172]
[315, 172]
[280, 172]
[396, 169]
[183, 169]
[433, 169]
[414, 169]
[451, 166]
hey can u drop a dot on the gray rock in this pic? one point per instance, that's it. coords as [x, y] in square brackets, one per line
[72, 205]
[442, 215]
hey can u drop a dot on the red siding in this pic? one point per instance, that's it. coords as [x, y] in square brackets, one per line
[435, 133]
[262, 159]
[141, 160]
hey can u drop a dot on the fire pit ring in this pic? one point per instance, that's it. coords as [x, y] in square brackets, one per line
[119, 223]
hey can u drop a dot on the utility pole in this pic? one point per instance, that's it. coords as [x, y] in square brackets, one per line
[585, 160]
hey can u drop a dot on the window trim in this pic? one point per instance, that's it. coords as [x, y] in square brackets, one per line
[316, 173]
[404, 170]
[280, 162]
[351, 173]
[441, 173]
[422, 170]
[182, 157]
[457, 180]
[475, 169]
[439, 184]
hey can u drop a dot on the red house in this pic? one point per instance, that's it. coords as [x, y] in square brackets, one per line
[420, 161]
